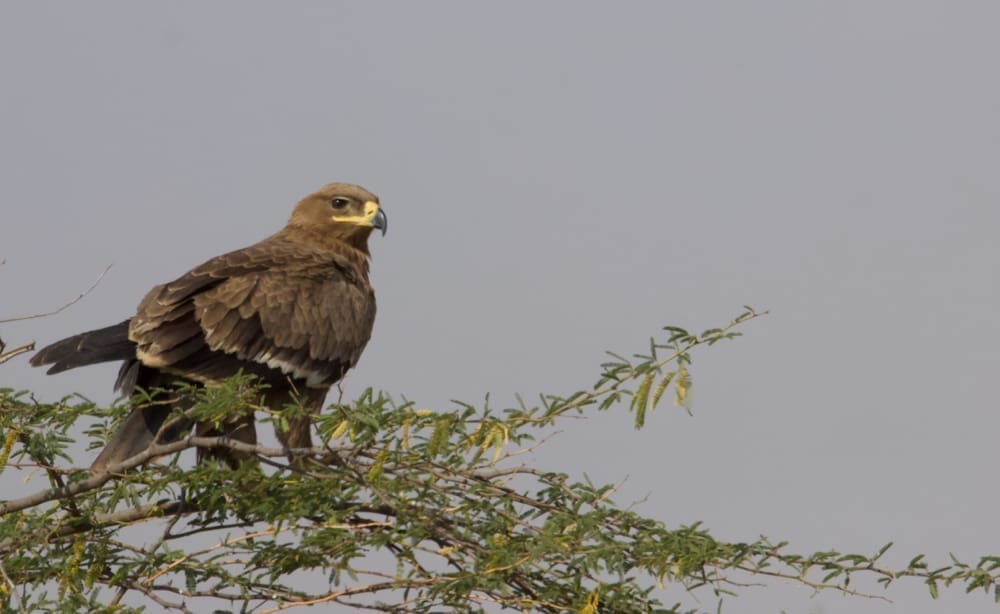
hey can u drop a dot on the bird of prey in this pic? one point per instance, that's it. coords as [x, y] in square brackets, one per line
[295, 310]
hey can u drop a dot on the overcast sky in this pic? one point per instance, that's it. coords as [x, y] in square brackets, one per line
[561, 179]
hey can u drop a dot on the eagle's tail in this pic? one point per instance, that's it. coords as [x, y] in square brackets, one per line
[156, 421]
[91, 347]
[159, 422]
[143, 427]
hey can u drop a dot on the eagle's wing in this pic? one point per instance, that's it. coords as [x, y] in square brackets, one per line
[275, 309]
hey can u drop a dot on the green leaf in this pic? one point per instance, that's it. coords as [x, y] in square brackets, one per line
[661, 388]
[640, 400]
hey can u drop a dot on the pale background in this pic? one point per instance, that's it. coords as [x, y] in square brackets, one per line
[562, 179]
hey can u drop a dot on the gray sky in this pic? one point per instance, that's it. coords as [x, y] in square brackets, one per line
[563, 179]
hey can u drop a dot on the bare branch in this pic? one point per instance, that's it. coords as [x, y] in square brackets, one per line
[21, 349]
[65, 306]
[355, 590]
[80, 524]
[151, 593]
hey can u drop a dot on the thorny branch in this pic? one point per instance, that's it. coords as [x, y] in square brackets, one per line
[65, 306]
[6, 355]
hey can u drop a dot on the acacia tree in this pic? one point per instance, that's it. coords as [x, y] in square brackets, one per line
[398, 509]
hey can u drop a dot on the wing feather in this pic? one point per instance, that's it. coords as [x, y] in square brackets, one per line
[276, 308]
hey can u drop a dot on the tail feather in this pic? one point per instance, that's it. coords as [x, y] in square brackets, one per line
[149, 424]
[92, 347]
[152, 424]
[143, 427]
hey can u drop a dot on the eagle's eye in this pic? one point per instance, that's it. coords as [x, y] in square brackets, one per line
[339, 203]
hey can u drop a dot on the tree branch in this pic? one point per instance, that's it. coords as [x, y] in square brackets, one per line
[65, 305]
[119, 469]
[21, 349]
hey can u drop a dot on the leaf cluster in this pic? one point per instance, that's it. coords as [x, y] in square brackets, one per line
[398, 509]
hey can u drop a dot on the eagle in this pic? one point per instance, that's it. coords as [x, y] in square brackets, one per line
[295, 310]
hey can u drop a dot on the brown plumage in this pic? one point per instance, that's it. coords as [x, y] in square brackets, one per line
[295, 310]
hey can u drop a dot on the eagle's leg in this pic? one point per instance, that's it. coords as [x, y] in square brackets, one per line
[298, 436]
[242, 429]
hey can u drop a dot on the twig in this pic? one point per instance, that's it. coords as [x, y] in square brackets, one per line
[816, 586]
[80, 524]
[148, 552]
[21, 349]
[355, 590]
[64, 307]
[151, 593]
[118, 469]
[13, 587]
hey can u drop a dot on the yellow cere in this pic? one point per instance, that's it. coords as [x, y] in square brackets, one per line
[371, 208]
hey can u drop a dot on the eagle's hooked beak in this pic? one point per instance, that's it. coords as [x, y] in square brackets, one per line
[378, 219]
